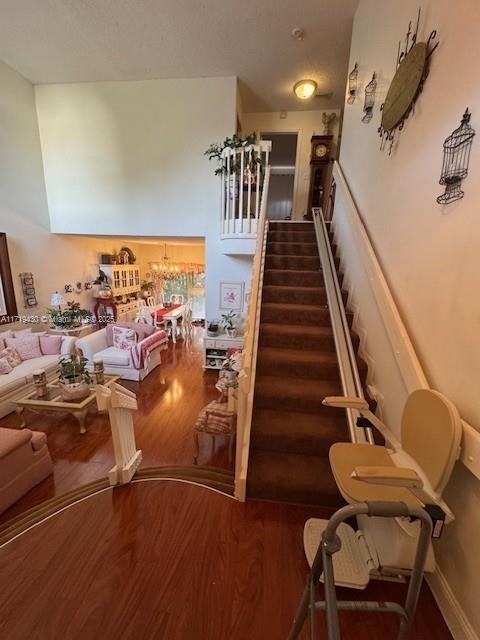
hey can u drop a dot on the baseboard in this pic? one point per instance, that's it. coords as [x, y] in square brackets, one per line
[455, 617]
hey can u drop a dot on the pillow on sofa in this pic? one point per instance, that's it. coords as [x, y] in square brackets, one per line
[5, 366]
[50, 345]
[21, 332]
[141, 329]
[11, 356]
[6, 334]
[28, 346]
[124, 338]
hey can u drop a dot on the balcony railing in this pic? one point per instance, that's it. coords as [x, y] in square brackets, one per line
[243, 183]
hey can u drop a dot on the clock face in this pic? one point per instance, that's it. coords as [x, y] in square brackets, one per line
[321, 150]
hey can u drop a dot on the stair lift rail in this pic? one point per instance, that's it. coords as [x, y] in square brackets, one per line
[347, 363]
[323, 563]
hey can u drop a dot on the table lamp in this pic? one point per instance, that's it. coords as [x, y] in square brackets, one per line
[57, 300]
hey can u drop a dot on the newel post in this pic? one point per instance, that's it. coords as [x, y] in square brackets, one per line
[120, 404]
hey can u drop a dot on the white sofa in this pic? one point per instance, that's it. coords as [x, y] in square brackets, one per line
[116, 361]
[19, 382]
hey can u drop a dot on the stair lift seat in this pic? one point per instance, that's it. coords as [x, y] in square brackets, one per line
[414, 470]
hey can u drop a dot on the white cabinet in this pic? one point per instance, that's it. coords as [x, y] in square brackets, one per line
[123, 278]
[215, 350]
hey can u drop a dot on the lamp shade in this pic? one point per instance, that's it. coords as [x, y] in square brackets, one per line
[305, 89]
[57, 299]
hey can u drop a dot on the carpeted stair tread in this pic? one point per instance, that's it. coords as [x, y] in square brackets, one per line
[297, 432]
[300, 314]
[270, 478]
[293, 277]
[292, 248]
[294, 262]
[294, 295]
[297, 363]
[294, 336]
[292, 236]
[292, 394]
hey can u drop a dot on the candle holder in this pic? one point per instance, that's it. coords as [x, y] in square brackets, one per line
[99, 371]
[40, 383]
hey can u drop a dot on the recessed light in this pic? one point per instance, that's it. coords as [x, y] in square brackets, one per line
[305, 89]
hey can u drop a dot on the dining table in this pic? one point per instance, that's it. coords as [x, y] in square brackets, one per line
[170, 314]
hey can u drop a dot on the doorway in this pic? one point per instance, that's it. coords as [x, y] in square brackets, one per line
[282, 174]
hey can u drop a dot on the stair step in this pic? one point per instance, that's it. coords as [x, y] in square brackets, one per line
[292, 248]
[297, 363]
[297, 263]
[294, 295]
[295, 432]
[292, 236]
[295, 394]
[299, 479]
[294, 336]
[299, 314]
[290, 277]
[289, 225]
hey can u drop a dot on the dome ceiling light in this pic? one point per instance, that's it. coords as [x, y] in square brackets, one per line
[305, 89]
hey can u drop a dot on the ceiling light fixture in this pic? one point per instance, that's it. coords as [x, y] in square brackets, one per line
[305, 89]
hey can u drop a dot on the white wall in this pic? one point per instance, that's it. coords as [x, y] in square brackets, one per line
[307, 124]
[429, 253]
[126, 158]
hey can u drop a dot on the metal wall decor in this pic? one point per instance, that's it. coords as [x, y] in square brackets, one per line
[413, 61]
[352, 84]
[456, 158]
[369, 103]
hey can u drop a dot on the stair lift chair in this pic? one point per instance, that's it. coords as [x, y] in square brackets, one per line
[414, 471]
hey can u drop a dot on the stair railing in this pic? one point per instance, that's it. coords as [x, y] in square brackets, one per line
[347, 362]
[243, 186]
[247, 374]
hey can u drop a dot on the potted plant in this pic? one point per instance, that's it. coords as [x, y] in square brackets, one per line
[147, 288]
[215, 152]
[229, 322]
[72, 317]
[74, 379]
[212, 328]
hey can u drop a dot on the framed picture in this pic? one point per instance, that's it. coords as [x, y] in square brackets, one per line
[8, 307]
[231, 295]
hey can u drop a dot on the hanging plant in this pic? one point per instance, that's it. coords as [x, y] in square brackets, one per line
[252, 160]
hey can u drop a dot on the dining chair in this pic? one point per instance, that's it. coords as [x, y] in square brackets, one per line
[151, 301]
[176, 298]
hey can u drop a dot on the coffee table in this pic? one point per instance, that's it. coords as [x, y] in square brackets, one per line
[53, 403]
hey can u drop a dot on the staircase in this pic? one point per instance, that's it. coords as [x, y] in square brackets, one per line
[296, 368]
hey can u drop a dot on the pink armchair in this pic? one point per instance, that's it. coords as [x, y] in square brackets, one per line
[24, 462]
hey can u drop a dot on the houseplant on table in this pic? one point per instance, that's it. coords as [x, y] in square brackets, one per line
[72, 317]
[229, 323]
[74, 379]
[147, 288]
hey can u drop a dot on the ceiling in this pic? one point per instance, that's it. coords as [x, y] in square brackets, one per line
[50, 41]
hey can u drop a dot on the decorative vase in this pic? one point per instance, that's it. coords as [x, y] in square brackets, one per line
[232, 332]
[74, 391]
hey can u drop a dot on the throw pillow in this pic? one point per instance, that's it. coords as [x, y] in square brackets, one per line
[124, 338]
[6, 334]
[50, 345]
[11, 356]
[5, 366]
[21, 332]
[28, 346]
[141, 329]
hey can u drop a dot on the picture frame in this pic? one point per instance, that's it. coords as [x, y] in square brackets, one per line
[8, 305]
[231, 295]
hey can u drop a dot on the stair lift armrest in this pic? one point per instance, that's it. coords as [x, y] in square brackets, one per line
[391, 476]
[345, 402]
[361, 405]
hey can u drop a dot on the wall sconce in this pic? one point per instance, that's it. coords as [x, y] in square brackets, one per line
[369, 103]
[305, 89]
[352, 84]
[456, 158]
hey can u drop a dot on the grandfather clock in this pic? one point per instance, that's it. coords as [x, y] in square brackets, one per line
[319, 173]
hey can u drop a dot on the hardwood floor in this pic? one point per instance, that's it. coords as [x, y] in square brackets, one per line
[163, 427]
[166, 560]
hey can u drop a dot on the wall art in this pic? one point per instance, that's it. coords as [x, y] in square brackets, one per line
[413, 62]
[231, 295]
[369, 103]
[28, 290]
[456, 159]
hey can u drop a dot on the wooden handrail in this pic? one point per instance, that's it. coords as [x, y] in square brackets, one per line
[247, 374]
